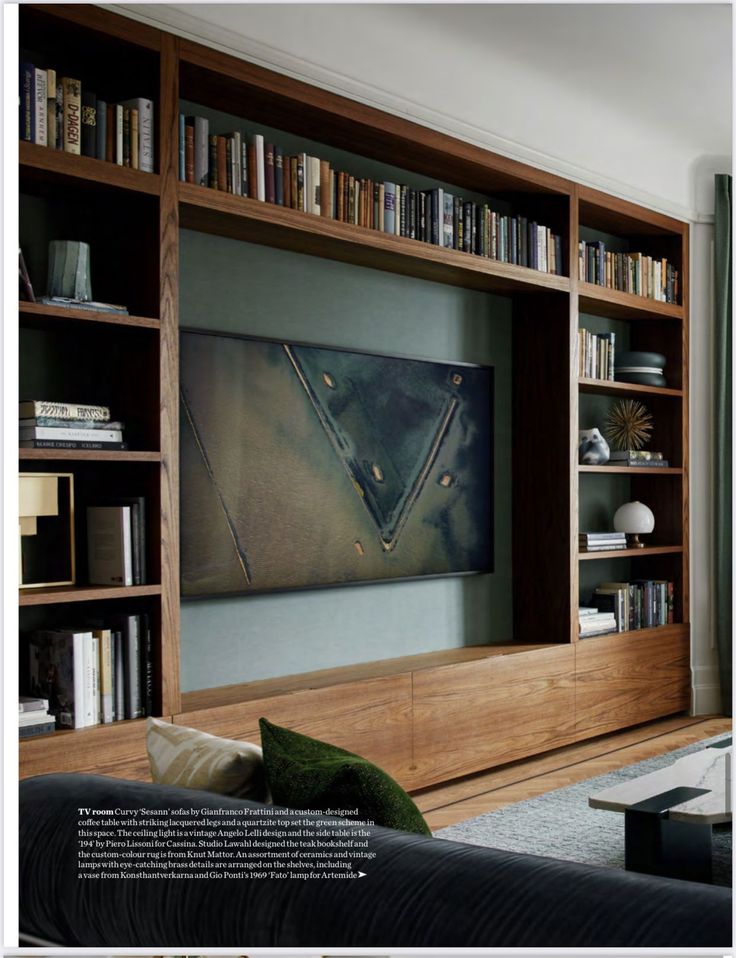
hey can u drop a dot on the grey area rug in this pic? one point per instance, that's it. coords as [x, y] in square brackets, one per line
[560, 824]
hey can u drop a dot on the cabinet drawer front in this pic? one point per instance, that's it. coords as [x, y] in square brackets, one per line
[622, 680]
[371, 718]
[499, 709]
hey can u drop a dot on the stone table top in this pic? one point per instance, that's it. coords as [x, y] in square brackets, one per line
[708, 769]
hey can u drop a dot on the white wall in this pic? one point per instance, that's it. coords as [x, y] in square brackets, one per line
[634, 99]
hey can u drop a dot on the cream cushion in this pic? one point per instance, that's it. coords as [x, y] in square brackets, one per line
[192, 759]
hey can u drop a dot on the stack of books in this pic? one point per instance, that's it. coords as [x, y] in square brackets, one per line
[596, 355]
[640, 604]
[93, 675]
[64, 425]
[262, 171]
[592, 622]
[638, 457]
[34, 717]
[63, 115]
[601, 541]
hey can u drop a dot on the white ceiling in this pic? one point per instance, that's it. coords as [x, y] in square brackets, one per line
[638, 93]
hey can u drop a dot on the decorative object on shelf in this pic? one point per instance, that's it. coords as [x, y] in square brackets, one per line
[69, 270]
[628, 425]
[641, 368]
[639, 457]
[635, 519]
[46, 527]
[593, 449]
[311, 466]
[26, 287]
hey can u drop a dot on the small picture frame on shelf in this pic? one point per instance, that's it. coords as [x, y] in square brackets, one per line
[46, 529]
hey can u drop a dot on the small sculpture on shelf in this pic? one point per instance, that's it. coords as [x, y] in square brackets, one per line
[593, 449]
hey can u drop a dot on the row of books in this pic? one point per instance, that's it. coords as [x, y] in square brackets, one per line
[94, 675]
[629, 272]
[34, 717]
[638, 457]
[262, 171]
[116, 542]
[59, 425]
[601, 541]
[596, 355]
[63, 115]
[640, 604]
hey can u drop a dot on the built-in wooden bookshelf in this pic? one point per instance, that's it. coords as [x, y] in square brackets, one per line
[481, 706]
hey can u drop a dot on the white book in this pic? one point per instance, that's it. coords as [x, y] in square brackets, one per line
[260, 167]
[70, 435]
[145, 132]
[109, 545]
[315, 185]
[34, 718]
[40, 134]
[91, 680]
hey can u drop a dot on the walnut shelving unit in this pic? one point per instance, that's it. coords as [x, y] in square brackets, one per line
[498, 703]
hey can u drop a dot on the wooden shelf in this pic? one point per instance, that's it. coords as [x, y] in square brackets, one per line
[632, 470]
[55, 165]
[241, 218]
[83, 593]
[94, 455]
[267, 688]
[631, 553]
[606, 387]
[601, 301]
[674, 630]
[41, 314]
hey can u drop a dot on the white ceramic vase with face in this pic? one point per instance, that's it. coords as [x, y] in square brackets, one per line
[592, 448]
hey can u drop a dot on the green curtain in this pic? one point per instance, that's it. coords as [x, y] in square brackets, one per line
[722, 584]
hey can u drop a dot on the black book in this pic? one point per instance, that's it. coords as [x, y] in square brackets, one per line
[212, 167]
[89, 124]
[119, 675]
[146, 664]
[278, 175]
[70, 444]
[412, 214]
[100, 129]
[467, 227]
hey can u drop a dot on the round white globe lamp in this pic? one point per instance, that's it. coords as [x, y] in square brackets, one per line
[635, 519]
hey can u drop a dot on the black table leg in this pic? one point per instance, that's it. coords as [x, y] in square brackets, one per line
[656, 845]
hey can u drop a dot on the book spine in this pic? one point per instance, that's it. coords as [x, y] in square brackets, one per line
[325, 191]
[89, 123]
[27, 101]
[132, 656]
[201, 150]
[315, 186]
[100, 129]
[222, 164]
[389, 207]
[135, 147]
[51, 109]
[119, 134]
[287, 181]
[119, 675]
[259, 144]
[146, 147]
[146, 664]
[270, 174]
[78, 707]
[278, 175]
[72, 115]
[106, 676]
[59, 432]
[182, 148]
[213, 175]
[126, 136]
[69, 444]
[244, 186]
[63, 410]
[40, 133]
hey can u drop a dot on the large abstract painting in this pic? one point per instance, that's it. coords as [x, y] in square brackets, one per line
[303, 466]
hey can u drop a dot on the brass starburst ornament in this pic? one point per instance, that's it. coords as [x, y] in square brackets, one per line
[628, 424]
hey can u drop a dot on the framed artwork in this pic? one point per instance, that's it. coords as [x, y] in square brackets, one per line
[303, 466]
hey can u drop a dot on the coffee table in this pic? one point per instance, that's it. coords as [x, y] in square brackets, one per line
[670, 813]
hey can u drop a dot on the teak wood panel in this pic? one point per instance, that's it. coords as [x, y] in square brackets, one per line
[372, 718]
[471, 717]
[625, 679]
[118, 749]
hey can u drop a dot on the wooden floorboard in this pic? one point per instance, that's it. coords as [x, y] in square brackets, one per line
[466, 798]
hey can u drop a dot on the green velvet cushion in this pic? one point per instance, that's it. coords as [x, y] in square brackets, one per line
[305, 773]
